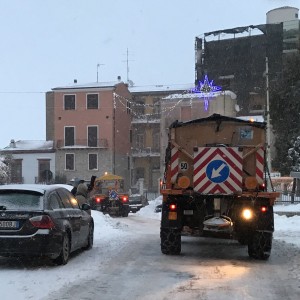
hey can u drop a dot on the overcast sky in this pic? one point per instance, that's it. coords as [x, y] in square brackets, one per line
[49, 43]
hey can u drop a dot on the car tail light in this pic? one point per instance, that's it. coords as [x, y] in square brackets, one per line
[43, 222]
[124, 199]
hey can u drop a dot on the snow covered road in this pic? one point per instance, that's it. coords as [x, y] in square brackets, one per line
[206, 269]
[126, 263]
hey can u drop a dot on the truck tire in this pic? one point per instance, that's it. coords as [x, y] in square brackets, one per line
[260, 245]
[125, 214]
[170, 241]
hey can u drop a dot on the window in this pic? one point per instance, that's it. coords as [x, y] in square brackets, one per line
[55, 202]
[69, 136]
[70, 161]
[93, 161]
[92, 136]
[156, 141]
[16, 171]
[69, 102]
[140, 141]
[45, 175]
[20, 200]
[92, 101]
[68, 200]
[128, 107]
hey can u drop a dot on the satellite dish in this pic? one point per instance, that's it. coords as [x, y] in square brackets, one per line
[237, 108]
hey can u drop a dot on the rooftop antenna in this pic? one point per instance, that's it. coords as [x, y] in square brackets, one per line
[127, 64]
[98, 66]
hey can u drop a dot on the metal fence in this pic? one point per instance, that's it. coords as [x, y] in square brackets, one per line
[288, 197]
[285, 197]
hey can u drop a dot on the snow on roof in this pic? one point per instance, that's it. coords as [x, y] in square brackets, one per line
[89, 85]
[195, 95]
[29, 145]
[161, 88]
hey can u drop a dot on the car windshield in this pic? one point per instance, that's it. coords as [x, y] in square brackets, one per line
[20, 200]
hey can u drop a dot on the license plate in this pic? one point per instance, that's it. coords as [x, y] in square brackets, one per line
[188, 212]
[9, 224]
[133, 206]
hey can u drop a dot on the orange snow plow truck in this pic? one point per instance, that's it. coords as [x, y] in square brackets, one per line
[215, 184]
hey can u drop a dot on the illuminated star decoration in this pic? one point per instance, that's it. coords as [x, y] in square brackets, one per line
[205, 90]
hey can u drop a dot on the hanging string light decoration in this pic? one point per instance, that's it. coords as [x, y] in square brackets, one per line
[122, 100]
[205, 89]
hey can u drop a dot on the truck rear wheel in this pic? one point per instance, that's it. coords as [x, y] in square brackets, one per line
[170, 241]
[260, 245]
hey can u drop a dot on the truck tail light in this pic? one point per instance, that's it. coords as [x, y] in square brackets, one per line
[261, 187]
[124, 198]
[264, 209]
[172, 207]
[98, 199]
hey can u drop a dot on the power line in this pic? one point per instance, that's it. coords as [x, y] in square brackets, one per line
[21, 92]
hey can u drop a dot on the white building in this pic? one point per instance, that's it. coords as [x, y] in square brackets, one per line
[30, 161]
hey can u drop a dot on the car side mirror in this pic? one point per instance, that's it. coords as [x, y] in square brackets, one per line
[85, 206]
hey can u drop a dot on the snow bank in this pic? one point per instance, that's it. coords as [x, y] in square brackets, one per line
[149, 210]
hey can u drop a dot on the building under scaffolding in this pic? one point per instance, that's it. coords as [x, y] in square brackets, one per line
[236, 60]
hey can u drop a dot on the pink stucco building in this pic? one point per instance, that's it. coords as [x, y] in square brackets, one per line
[90, 127]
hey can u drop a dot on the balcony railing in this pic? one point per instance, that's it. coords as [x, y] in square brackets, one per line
[82, 143]
[146, 151]
[16, 179]
[154, 118]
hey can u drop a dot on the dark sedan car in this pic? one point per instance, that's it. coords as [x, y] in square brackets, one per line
[43, 220]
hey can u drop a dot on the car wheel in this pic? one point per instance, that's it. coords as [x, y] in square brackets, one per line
[90, 238]
[64, 255]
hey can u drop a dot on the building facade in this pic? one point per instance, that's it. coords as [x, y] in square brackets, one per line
[90, 127]
[238, 58]
[289, 17]
[146, 134]
[30, 161]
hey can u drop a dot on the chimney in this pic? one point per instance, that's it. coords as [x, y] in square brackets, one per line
[119, 78]
[75, 80]
[12, 144]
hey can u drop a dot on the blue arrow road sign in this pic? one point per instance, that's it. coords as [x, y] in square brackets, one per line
[217, 171]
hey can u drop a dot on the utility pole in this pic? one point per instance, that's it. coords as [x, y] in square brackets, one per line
[267, 112]
[98, 66]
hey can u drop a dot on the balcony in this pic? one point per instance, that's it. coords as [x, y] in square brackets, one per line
[145, 152]
[82, 143]
[145, 119]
